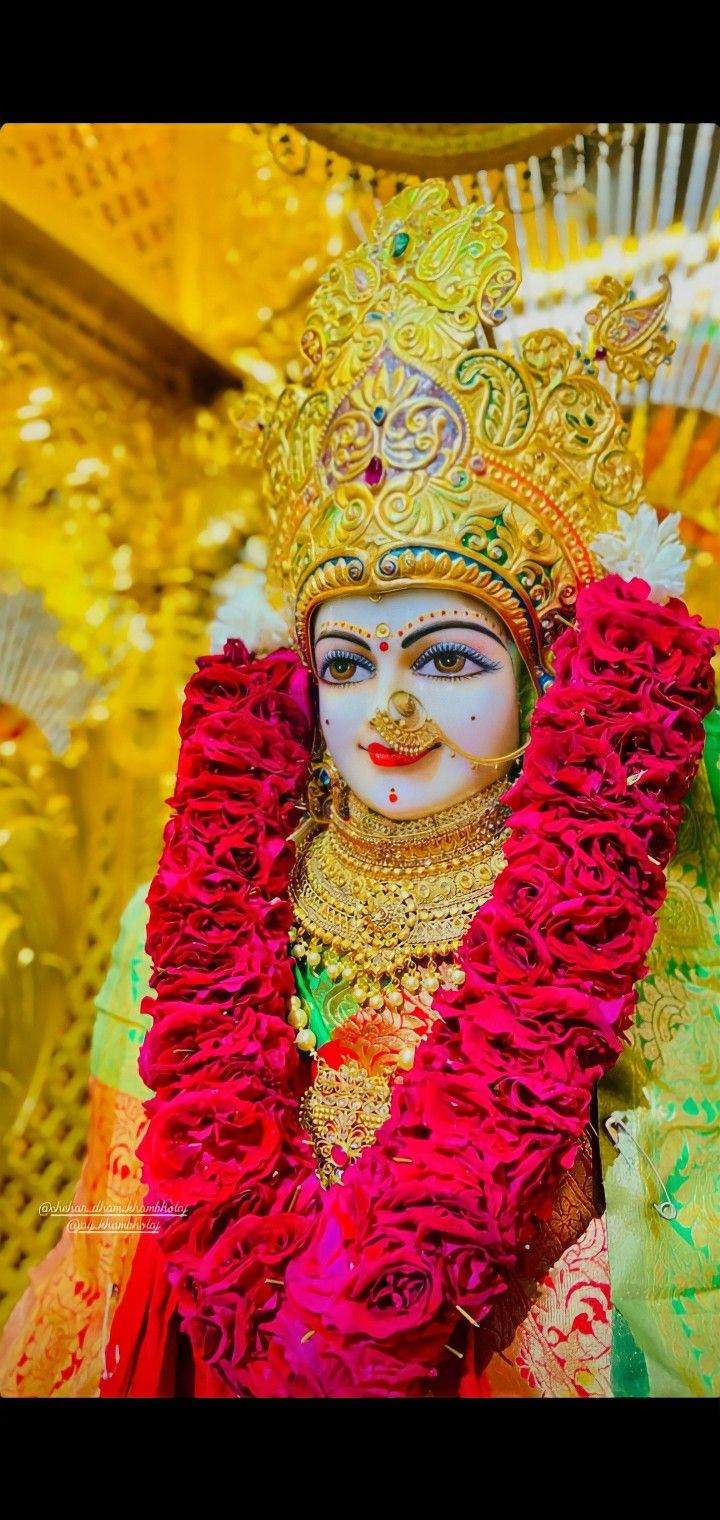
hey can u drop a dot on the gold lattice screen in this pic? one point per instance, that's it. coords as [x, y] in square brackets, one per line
[119, 509]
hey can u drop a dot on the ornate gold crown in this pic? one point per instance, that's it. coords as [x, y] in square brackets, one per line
[415, 454]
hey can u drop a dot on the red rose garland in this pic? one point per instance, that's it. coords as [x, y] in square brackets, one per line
[224, 1140]
[287, 1290]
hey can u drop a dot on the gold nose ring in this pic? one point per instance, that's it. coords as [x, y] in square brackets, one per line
[407, 709]
[407, 727]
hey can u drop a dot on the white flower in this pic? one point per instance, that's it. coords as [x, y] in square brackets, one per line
[244, 610]
[643, 546]
[255, 551]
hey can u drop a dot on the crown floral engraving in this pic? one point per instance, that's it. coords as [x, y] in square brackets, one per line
[416, 449]
[631, 331]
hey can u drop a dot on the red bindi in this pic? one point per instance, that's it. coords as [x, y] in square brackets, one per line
[384, 645]
[392, 795]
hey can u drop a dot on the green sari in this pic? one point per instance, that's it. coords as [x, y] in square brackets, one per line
[665, 1271]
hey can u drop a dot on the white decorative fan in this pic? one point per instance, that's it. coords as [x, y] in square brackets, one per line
[39, 674]
[243, 609]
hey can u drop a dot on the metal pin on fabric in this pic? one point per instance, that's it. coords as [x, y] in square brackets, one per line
[616, 1126]
[111, 1292]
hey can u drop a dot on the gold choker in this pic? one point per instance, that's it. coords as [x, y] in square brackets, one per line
[384, 893]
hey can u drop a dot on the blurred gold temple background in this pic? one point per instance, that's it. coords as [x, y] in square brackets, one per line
[148, 273]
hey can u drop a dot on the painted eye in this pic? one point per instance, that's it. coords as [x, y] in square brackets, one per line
[449, 663]
[342, 667]
[450, 659]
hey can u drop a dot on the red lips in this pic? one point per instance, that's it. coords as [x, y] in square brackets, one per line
[381, 755]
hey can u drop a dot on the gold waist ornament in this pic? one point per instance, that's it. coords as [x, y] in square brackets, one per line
[385, 893]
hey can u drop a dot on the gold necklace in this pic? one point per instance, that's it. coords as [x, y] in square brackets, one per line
[373, 895]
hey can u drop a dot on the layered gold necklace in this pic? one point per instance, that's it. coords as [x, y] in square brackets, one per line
[380, 907]
[374, 895]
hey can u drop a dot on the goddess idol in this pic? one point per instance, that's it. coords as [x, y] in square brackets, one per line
[410, 889]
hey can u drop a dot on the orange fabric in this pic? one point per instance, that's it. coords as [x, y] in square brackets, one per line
[53, 1342]
[562, 1348]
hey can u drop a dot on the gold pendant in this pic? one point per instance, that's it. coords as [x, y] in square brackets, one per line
[342, 1112]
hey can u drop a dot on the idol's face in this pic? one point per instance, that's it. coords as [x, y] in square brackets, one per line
[446, 650]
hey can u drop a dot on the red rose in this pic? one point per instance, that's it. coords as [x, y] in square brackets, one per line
[631, 638]
[198, 1045]
[446, 1194]
[219, 683]
[234, 744]
[190, 1236]
[601, 939]
[195, 1149]
[389, 1292]
[214, 1332]
[209, 803]
[589, 855]
[216, 933]
[572, 763]
[324, 1367]
[539, 869]
[226, 680]
[511, 946]
[240, 1269]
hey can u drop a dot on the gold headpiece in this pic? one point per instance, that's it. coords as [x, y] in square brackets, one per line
[417, 455]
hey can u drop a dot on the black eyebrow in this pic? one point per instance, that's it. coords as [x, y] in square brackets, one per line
[339, 633]
[420, 633]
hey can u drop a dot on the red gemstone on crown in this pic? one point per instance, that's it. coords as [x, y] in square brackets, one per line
[374, 471]
[601, 353]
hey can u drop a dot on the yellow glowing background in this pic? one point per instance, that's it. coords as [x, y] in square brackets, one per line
[146, 272]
